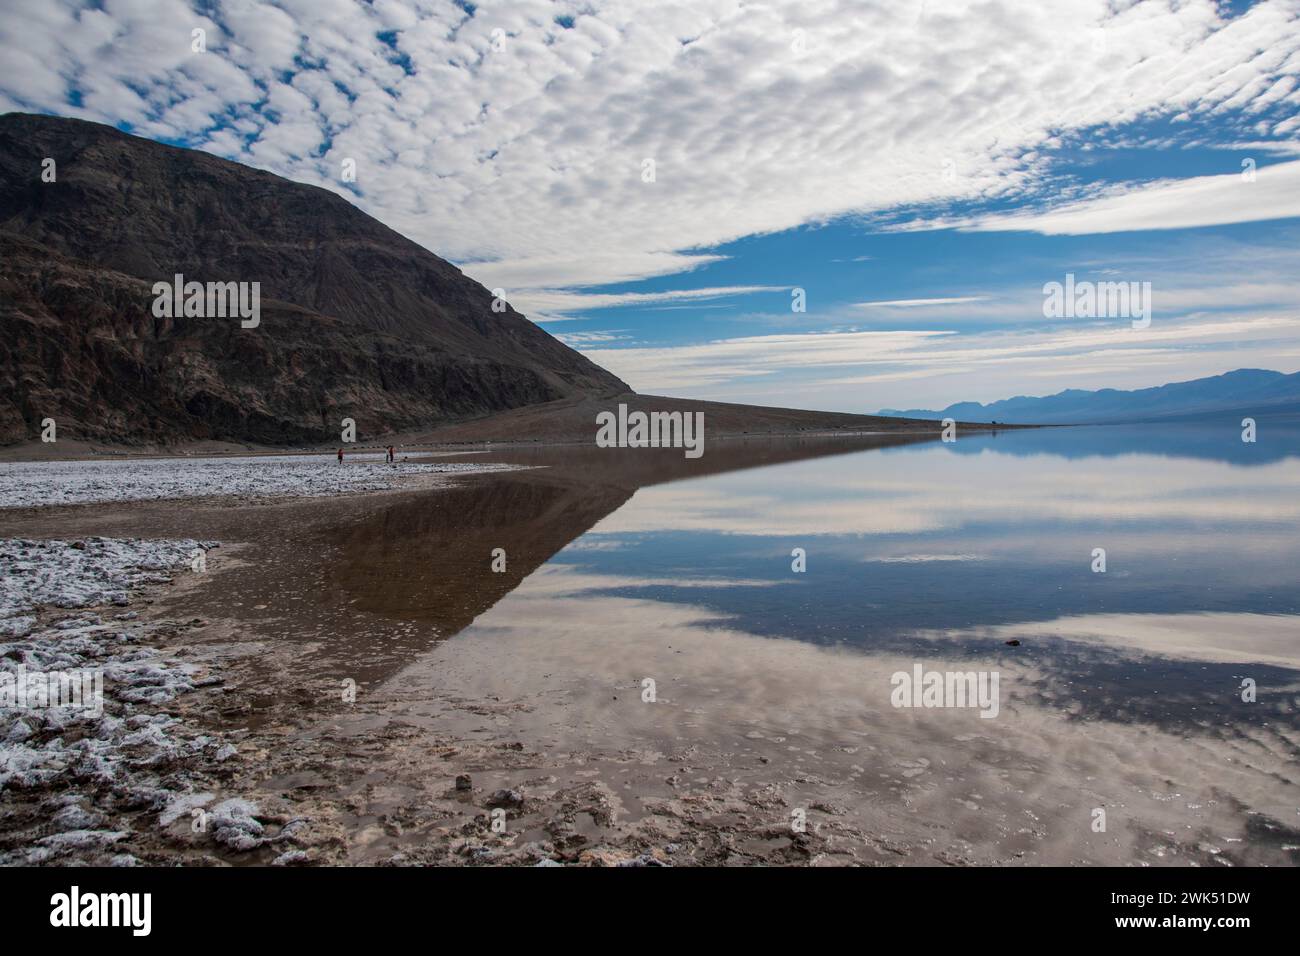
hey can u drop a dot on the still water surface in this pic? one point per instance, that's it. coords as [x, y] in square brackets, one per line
[1128, 690]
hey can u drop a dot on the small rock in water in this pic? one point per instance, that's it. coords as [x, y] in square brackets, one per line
[463, 782]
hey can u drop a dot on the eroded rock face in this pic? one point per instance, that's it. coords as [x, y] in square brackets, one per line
[356, 321]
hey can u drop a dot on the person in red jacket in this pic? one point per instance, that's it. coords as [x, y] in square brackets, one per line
[340, 456]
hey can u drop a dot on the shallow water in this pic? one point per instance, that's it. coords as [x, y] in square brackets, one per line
[991, 538]
[1130, 688]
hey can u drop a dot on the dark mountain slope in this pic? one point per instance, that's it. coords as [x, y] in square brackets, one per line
[356, 321]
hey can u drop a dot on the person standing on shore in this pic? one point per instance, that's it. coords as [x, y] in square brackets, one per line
[340, 456]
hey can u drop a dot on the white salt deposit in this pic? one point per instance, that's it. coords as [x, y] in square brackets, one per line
[91, 571]
[234, 824]
[43, 483]
[94, 763]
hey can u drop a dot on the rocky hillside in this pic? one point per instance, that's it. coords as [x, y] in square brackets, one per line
[356, 321]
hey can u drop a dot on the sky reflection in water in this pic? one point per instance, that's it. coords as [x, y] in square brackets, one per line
[965, 546]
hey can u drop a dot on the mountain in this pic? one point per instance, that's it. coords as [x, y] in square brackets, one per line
[356, 320]
[1245, 392]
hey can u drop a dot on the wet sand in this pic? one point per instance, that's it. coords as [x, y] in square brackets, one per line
[539, 701]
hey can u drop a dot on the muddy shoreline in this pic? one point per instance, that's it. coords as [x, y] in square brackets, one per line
[320, 776]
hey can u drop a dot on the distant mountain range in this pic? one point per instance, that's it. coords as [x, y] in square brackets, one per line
[1247, 392]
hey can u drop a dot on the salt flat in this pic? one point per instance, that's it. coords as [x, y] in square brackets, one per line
[42, 484]
[83, 573]
[126, 748]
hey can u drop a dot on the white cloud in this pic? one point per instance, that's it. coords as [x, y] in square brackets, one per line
[918, 303]
[1272, 193]
[527, 161]
[551, 301]
[544, 271]
[576, 339]
[868, 370]
[724, 360]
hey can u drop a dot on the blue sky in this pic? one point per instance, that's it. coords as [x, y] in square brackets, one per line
[920, 170]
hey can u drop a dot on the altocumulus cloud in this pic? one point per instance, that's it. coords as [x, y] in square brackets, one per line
[513, 138]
